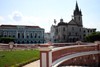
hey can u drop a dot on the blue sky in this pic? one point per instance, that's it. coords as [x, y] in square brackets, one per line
[43, 12]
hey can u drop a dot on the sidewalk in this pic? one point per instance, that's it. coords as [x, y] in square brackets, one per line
[33, 64]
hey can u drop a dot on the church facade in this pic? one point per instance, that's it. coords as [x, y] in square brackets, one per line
[73, 30]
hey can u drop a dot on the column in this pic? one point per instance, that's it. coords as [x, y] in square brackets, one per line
[45, 55]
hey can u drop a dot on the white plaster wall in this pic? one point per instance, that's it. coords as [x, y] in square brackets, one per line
[50, 58]
[44, 60]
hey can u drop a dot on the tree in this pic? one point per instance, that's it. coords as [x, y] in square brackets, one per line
[95, 36]
[7, 39]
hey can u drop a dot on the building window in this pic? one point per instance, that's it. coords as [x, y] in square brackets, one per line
[38, 35]
[18, 35]
[18, 42]
[5, 34]
[35, 42]
[31, 35]
[69, 33]
[88, 30]
[76, 34]
[9, 34]
[79, 17]
[64, 37]
[22, 42]
[93, 30]
[72, 28]
[35, 35]
[27, 34]
[0, 33]
[39, 42]
[27, 42]
[64, 29]
[23, 35]
[75, 18]
[84, 35]
[80, 36]
[84, 31]
[56, 30]
[59, 29]
[13, 34]
[53, 36]
[80, 29]
[31, 42]
[77, 39]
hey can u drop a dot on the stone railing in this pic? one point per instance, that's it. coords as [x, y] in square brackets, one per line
[50, 55]
[18, 46]
[61, 52]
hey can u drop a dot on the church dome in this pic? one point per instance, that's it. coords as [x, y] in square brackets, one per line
[61, 22]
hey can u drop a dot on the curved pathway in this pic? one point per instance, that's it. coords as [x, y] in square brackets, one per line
[33, 64]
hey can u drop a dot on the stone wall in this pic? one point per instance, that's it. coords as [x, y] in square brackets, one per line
[85, 60]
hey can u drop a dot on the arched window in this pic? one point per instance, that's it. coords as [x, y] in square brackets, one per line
[27, 42]
[9, 33]
[18, 42]
[39, 42]
[22, 42]
[35, 42]
[31, 42]
[13, 34]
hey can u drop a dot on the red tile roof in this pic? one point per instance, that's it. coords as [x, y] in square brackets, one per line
[19, 25]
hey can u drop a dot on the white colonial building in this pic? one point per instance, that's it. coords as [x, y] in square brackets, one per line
[71, 31]
[52, 33]
[47, 37]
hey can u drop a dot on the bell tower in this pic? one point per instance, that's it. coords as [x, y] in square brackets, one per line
[77, 14]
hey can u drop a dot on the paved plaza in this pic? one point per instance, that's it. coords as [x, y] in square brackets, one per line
[37, 64]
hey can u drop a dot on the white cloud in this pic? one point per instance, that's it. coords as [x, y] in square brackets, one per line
[1, 18]
[17, 16]
[18, 19]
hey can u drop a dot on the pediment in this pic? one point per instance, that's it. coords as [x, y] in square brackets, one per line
[72, 22]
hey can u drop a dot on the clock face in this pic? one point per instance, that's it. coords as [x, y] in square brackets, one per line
[73, 32]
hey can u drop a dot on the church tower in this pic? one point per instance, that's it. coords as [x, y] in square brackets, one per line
[77, 14]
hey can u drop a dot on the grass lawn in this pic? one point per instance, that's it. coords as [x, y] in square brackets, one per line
[12, 57]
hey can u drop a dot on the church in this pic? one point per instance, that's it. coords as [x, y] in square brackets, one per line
[71, 31]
